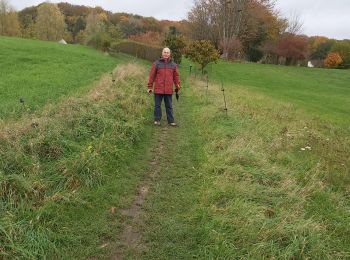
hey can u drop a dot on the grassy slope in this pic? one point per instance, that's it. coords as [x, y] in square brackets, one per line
[241, 187]
[325, 93]
[42, 72]
[236, 187]
[56, 188]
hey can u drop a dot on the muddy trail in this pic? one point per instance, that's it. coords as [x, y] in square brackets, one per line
[130, 238]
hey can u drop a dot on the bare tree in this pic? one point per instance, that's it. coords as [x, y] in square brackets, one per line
[228, 17]
[295, 24]
[201, 22]
[218, 20]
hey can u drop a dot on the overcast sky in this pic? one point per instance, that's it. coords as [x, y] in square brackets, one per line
[320, 17]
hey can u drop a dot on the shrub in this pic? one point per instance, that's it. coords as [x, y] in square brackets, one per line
[202, 52]
[343, 49]
[333, 60]
[100, 40]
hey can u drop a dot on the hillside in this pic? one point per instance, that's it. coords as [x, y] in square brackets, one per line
[267, 180]
[90, 176]
[324, 93]
[43, 72]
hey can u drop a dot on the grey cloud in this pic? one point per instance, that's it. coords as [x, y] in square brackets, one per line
[320, 17]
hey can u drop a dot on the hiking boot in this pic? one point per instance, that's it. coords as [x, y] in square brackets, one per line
[156, 122]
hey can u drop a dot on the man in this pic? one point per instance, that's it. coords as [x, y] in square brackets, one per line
[164, 75]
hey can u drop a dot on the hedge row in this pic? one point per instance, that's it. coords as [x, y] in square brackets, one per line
[138, 50]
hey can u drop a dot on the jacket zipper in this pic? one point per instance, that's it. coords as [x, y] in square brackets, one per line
[164, 77]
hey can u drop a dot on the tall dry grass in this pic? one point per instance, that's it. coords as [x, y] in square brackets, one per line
[48, 158]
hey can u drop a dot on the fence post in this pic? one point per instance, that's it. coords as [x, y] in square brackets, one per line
[223, 92]
[207, 83]
[113, 78]
[21, 101]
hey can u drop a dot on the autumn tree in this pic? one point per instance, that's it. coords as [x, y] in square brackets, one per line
[131, 26]
[202, 52]
[261, 27]
[114, 32]
[75, 19]
[237, 26]
[27, 18]
[70, 10]
[333, 60]
[343, 48]
[9, 24]
[94, 23]
[151, 24]
[94, 33]
[320, 47]
[292, 47]
[99, 32]
[316, 41]
[50, 22]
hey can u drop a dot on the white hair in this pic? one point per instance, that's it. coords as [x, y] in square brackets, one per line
[166, 49]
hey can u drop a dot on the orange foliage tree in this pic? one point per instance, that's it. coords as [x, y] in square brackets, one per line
[333, 60]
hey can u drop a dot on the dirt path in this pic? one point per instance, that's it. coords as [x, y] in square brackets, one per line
[130, 238]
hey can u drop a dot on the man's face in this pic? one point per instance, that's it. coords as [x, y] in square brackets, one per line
[166, 54]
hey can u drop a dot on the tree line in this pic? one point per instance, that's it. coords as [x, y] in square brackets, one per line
[77, 24]
[253, 30]
[249, 30]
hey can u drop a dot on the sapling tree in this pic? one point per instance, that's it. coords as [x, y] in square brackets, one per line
[202, 52]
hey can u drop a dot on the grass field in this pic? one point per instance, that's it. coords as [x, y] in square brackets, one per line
[269, 180]
[63, 157]
[60, 177]
[42, 72]
[325, 93]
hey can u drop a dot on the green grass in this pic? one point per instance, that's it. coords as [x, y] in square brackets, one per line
[241, 187]
[169, 231]
[325, 93]
[43, 72]
[65, 165]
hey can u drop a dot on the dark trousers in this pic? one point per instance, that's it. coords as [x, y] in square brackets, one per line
[168, 100]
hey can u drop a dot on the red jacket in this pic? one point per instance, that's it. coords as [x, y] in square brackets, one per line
[164, 74]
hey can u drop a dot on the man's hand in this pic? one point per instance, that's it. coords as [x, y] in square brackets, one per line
[149, 91]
